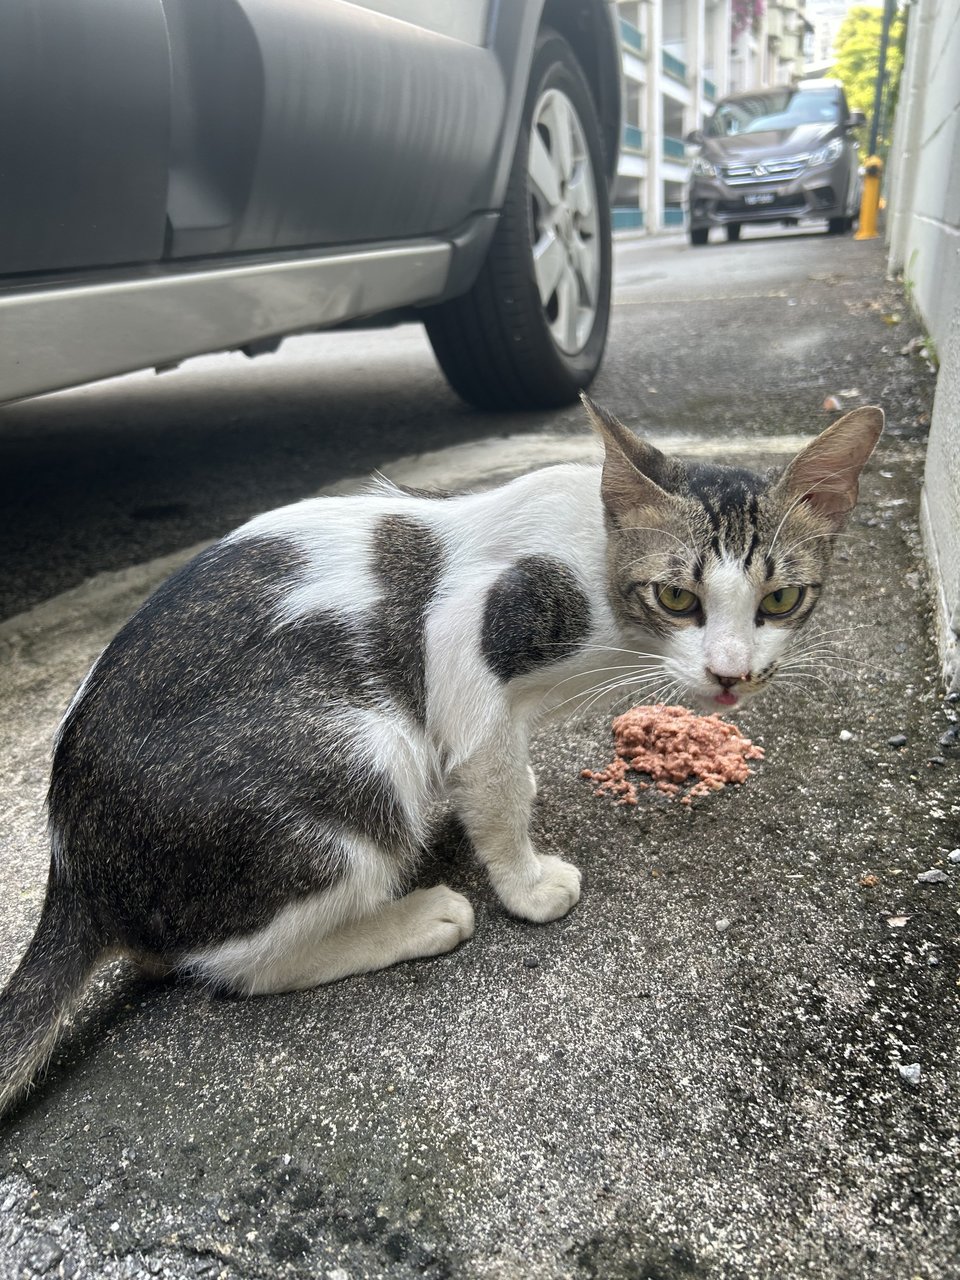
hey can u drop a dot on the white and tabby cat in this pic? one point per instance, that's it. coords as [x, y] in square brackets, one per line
[243, 782]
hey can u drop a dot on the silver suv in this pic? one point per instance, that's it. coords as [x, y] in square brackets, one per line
[776, 155]
[188, 176]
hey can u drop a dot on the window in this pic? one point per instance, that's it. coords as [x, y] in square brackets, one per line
[779, 109]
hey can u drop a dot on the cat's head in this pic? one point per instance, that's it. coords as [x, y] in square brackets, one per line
[717, 568]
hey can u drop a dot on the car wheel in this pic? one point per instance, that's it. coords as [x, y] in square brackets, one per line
[733, 231]
[837, 226]
[531, 332]
[699, 235]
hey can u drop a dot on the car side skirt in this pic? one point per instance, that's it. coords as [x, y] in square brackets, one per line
[72, 333]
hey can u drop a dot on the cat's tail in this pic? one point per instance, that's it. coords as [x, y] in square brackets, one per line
[40, 995]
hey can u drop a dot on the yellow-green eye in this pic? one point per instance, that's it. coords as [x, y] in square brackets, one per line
[677, 599]
[781, 602]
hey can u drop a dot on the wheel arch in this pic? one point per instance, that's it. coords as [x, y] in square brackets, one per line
[589, 27]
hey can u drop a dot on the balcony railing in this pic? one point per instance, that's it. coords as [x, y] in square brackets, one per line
[627, 219]
[673, 149]
[673, 215]
[631, 37]
[710, 90]
[632, 137]
[674, 67]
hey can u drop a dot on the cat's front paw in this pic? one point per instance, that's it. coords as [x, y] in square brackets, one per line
[550, 896]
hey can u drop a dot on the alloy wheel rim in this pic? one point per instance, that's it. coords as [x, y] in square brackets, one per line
[563, 221]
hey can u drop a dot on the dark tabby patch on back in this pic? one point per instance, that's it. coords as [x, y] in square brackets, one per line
[408, 561]
[536, 613]
[196, 780]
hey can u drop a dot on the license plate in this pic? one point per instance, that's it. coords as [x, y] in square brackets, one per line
[760, 197]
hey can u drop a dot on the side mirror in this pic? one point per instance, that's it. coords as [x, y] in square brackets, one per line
[856, 119]
[694, 137]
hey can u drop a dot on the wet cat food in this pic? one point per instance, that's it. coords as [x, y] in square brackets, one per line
[673, 747]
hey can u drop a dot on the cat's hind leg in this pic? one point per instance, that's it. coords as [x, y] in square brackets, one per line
[355, 927]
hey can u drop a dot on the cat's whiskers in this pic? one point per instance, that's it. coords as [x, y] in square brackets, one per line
[583, 675]
[588, 698]
[606, 648]
[802, 674]
[799, 680]
[827, 654]
[598, 691]
[642, 696]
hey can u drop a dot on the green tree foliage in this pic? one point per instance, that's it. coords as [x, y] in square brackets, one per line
[856, 54]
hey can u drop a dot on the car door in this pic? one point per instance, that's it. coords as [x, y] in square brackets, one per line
[327, 122]
[85, 104]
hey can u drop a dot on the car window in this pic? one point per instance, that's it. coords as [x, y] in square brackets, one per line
[778, 109]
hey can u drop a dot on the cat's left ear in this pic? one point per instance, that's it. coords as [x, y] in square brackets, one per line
[633, 471]
[825, 475]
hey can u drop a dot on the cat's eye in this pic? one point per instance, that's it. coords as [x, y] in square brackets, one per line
[777, 604]
[677, 599]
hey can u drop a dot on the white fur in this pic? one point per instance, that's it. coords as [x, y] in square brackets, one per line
[354, 927]
[395, 745]
[475, 740]
[729, 643]
[476, 725]
[253, 962]
[334, 536]
[729, 634]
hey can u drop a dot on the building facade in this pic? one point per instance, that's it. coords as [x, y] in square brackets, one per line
[679, 58]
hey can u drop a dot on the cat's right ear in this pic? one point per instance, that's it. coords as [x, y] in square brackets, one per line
[630, 465]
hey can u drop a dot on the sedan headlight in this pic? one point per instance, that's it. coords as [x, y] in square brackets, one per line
[826, 153]
[702, 168]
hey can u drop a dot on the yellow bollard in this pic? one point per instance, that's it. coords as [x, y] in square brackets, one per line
[870, 199]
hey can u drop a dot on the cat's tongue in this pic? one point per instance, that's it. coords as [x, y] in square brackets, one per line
[727, 699]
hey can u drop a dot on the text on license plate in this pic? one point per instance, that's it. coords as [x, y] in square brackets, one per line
[760, 197]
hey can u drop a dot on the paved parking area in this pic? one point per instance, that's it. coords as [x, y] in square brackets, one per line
[630, 1092]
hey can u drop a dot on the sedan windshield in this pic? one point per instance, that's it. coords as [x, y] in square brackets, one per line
[776, 109]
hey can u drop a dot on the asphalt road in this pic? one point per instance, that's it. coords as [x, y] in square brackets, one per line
[697, 1074]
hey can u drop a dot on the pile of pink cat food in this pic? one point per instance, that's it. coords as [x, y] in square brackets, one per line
[674, 748]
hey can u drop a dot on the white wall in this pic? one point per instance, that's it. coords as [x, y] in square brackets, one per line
[923, 233]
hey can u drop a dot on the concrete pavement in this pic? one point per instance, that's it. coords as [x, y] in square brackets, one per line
[631, 1092]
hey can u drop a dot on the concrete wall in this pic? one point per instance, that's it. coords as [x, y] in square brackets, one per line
[923, 232]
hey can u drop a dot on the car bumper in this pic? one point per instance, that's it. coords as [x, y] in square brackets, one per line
[711, 202]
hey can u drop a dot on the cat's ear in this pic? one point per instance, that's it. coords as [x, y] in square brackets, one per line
[631, 467]
[825, 475]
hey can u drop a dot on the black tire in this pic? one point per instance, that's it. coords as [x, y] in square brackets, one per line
[494, 343]
[699, 235]
[837, 226]
[733, 231]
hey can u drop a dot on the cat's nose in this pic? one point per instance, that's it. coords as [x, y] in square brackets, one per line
[728, 681]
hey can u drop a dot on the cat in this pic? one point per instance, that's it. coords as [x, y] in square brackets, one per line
[244, 780]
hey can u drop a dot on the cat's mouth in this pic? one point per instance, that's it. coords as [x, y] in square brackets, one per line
[722, 701]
